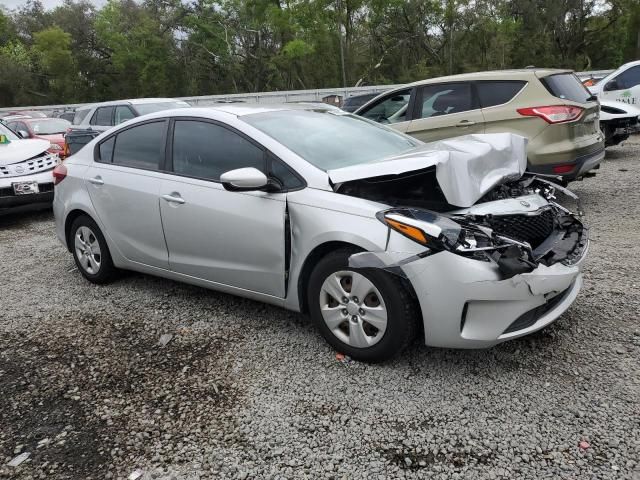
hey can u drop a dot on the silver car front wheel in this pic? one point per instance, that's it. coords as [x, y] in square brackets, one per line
[353, 309]
[87, 250]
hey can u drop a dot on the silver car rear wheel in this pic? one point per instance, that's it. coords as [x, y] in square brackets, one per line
[87, 249]
[353, 309]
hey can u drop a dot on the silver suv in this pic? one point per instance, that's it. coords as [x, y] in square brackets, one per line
[103, 116]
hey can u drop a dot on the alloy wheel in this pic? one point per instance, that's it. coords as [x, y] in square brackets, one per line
[353, 309]
[87, 250]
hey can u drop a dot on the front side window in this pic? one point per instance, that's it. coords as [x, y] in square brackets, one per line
[103, 117]
[629, 78]
[445, 99]
[123, 113]
[206, 150]
[141, 146]
[390, 109]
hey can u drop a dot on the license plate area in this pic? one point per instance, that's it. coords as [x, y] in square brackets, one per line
[25, 188]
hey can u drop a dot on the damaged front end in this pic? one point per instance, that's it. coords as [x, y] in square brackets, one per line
[528, 230]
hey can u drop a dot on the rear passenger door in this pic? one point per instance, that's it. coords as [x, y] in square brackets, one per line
[498, 99]
[124, 186]
[445, 110]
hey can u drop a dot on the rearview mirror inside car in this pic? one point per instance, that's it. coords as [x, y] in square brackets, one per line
[244, 179]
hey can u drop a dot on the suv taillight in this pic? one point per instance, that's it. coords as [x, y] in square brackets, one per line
[59, 173]
[553, 114]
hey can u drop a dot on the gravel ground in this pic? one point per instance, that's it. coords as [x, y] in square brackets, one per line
[245, 390]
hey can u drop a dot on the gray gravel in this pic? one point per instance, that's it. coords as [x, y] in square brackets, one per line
[244, 390]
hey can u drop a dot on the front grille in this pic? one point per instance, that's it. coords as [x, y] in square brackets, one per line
[526, 228]
[40, 163]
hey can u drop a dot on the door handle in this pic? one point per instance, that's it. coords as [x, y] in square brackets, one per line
[97, 180]
[465, 123]
[174, 198]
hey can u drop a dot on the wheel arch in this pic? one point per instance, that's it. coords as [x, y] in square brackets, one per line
[68, 222]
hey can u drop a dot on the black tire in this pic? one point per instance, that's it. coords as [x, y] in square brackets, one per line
[402, 308]
[106, 272]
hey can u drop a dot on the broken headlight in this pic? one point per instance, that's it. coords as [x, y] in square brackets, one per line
[438, 232]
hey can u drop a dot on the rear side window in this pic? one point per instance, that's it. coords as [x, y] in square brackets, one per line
[566, 86]
[141, 146]
[80, 115]
[492, 93]
[206, 150]
[445, 99]
[106, 150]
[103, 117]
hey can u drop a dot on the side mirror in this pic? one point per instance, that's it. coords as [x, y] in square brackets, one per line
[23, 133]
[611, 85]
[244, 180]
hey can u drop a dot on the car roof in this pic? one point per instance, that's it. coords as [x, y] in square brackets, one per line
[130, 101]
[241, 109]
[514, 74]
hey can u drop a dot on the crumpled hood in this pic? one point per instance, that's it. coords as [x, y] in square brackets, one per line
[467, 167]
[21, 150]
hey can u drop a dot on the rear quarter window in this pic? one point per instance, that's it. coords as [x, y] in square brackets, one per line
[567, 87]
[492, 93]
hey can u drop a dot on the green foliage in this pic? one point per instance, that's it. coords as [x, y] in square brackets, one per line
[133, 48]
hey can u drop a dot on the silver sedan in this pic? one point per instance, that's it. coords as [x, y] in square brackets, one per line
[377, 236]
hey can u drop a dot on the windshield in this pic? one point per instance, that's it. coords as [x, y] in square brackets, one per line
[49, 126]
[8, 133]
[144, 108]
[329, 140]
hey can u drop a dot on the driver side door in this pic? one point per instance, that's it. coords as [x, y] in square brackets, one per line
[233, 238]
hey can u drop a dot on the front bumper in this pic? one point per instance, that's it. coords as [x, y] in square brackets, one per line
[10, 202]
[467, 304]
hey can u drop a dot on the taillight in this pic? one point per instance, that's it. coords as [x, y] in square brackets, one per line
[59, 173]
[560, 169]
[553, 114]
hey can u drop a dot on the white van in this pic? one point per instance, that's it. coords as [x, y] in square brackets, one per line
[621, 85]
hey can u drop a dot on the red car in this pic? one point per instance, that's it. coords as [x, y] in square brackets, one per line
[51, 129]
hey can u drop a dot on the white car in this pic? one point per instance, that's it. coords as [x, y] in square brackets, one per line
[618, 120]
[619, 95]
[26, 179]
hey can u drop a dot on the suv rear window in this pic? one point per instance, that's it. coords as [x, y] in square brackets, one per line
[566, 86]
[498, 92]
[80, 116]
